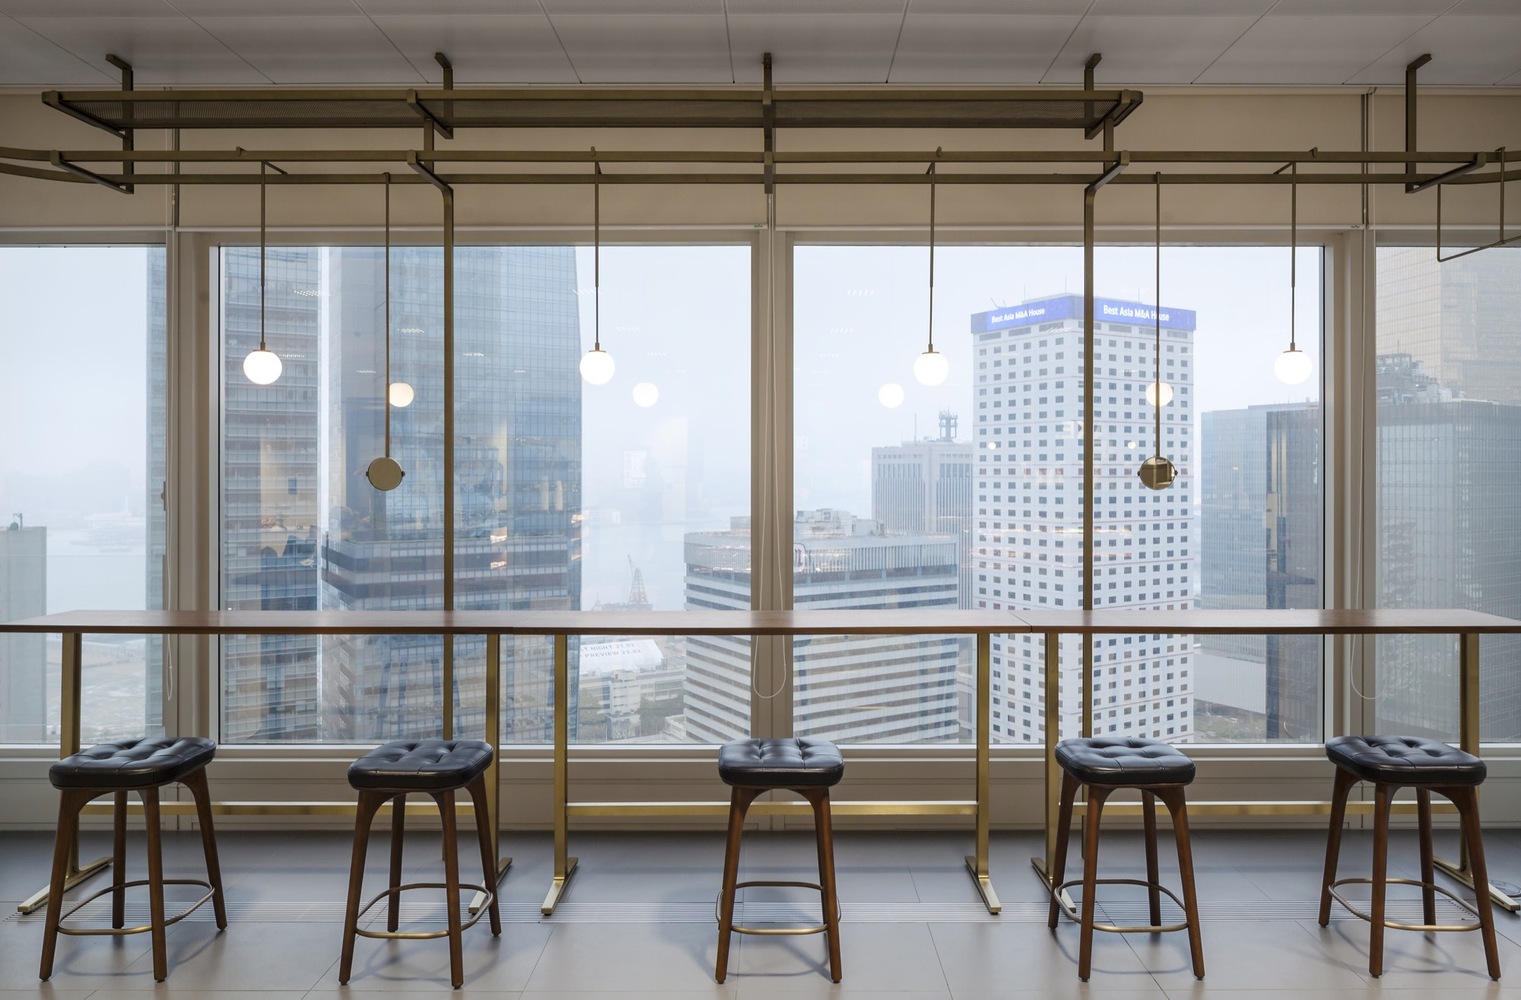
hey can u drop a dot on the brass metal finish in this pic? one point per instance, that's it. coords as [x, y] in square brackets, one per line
[565, 865]
[1352, 905]
[977, 861]
[395, 892]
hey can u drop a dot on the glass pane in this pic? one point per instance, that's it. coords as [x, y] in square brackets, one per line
[82, 394]
[969, 493]
[1449, 456]
[304, 528]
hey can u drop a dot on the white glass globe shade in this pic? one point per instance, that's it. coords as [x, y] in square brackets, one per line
[1292, 366]
[400, 394]
[931, 368]
[262, 367]
[646, 394]
[890, 395]
[597, 367]
[1151, 394]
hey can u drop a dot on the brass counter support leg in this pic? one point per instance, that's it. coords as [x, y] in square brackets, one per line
[565, 866]
[1053, 772]
[977, 862]
[68, 743]
[493, 797]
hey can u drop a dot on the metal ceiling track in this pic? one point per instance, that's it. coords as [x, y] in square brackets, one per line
[444, 112]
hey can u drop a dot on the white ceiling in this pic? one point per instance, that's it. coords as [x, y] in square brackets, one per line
[208, 43]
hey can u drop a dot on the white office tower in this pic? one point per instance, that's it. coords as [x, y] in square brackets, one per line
[1029, 508]
[851, 689]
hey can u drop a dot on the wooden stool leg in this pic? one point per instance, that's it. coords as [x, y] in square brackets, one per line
[445, 800]
[196, 782]
[70, 801]
[1466, 798]
[369, 804]
[824, 837]
[1153, 871]
[1344, 782]
[119, 862]
[739, 801]
[477, 789]
[1058, 868]
[155, 883]
[1428, 866]
[1096, 797]
[1177, 805]
[398, 838]
[1383, 796]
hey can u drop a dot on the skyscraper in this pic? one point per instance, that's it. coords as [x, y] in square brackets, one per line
[304, 528]
[1028, 506]
[1261, 546]
[853, 689]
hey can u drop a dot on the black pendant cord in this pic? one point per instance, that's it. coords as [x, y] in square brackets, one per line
[596, 252]
[386, 388]
[1156, 385]
[931, 172]
[263, 242]
[1294, 248]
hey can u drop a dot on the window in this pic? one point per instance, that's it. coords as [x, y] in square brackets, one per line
[82, 392]
[1449, 456]
[566, 495]
[884, 522]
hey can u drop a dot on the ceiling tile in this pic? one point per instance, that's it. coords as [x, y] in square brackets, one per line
[557, 8]
[1146, 50]
[162, 51]
[325, 50]
[1371, 9]
[814, 48]
[1308, 51]
[1465, 51]
[1012, 50]
[1010, 8]
[436, 8]
[507, 48]
[264, 8]
[87, 8]
[790, 7]
[646, 48]
[1154, 8]
[1470, 8]
[29, 60]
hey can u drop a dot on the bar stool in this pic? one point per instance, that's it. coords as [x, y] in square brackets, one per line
[439, 768]
[142, 765]
[805, 766]
[1159, 771]
[1391, 763]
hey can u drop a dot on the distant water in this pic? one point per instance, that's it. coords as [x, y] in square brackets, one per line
[89, 570]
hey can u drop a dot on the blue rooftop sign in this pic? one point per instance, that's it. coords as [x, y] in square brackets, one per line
[1071, 307]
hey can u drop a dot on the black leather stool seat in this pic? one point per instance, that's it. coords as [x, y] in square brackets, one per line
[421, 765]
[1124, 761]
[781, 763]
[1405, 760]
[137, 762]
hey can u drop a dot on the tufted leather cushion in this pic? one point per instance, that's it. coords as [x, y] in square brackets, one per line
[781, 763]
[136, 762]
[421, 765]
[1405, 760]
[1120, 761]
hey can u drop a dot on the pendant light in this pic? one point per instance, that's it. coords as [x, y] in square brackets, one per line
[596, 364]
[385, 473]
[931, 368]
[1156, 472]
[1293, 366]
[263, 366]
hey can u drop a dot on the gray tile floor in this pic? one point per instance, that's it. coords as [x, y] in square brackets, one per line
[637, 924]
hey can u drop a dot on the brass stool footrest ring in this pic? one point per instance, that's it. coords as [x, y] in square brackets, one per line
[396, 890]
[1395, 924]
[82, 931]
[811, 929]
[1070, 909]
